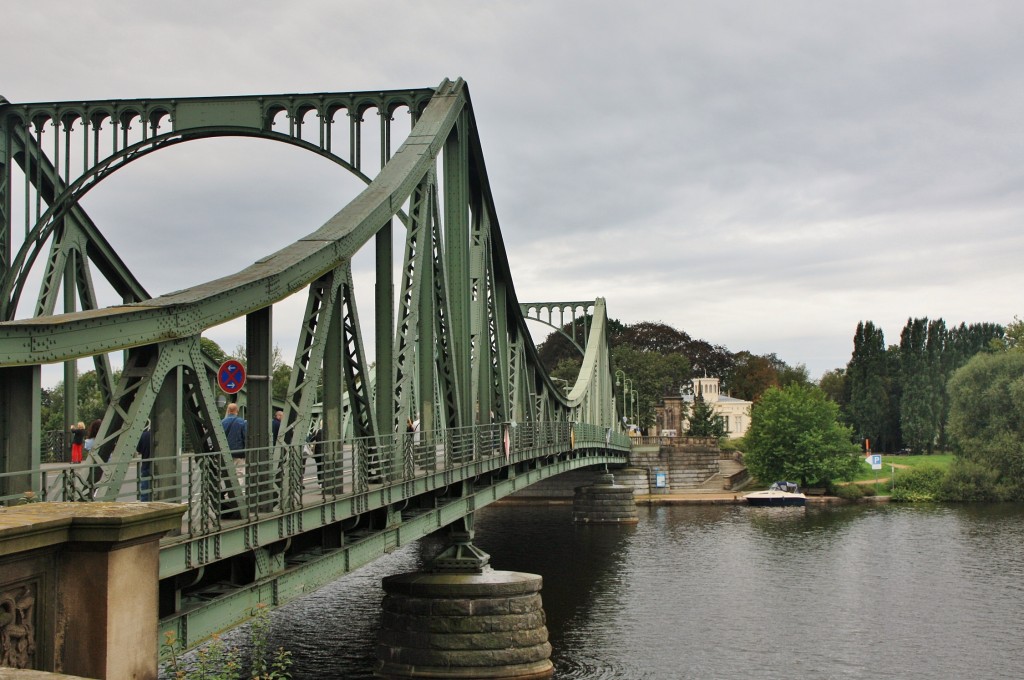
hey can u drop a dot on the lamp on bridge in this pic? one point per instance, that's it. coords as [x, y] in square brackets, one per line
[634, 406]
[620, 375]
[620, 381]
[627, 390]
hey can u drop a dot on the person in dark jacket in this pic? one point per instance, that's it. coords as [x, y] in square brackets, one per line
[237, 431]
[275, 426]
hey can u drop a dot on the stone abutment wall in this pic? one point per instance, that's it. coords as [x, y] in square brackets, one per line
[686, 461]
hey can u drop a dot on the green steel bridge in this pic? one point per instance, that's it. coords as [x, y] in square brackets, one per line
[451, 348]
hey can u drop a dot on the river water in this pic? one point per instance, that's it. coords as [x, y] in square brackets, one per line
[879, 591]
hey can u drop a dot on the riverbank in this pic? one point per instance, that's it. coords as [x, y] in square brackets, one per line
[689, 498]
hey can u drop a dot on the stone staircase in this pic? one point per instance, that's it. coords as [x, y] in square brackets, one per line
[726, 468]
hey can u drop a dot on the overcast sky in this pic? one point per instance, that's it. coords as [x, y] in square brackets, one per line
[762, 175]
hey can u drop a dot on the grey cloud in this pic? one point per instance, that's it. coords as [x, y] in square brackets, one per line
[828, 162]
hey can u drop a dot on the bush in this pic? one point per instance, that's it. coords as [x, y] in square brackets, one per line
[967, 481]
[919, 485]
[868, 490]
[732, 444]
[850, 492]
[216, 661]
[1010, 491]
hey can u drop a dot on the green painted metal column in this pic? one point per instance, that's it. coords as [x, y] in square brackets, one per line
[165, 433]
[427, 354]
[334, 389]
[19, 427]
[260, 359]
[384, 307]
[6, 160]
[70, 367]
[456, 221]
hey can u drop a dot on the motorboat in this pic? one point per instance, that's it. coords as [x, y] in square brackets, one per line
[778, 494]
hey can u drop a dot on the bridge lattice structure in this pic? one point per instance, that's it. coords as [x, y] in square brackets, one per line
[451, 348]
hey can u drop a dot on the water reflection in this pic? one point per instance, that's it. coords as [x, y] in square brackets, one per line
[582, 565]
[729, 591]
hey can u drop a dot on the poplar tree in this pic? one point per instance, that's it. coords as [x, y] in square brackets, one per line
[913, 379]
[938, 373]
[869, 409]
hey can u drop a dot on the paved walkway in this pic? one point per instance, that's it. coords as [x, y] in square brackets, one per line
[691, 498]
[730, 498]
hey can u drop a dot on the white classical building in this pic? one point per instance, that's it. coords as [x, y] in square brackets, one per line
[735, 413]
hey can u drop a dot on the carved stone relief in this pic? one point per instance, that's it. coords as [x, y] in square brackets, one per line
[18, 625]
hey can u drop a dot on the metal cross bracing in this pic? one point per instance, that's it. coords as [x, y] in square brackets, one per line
[451, 348]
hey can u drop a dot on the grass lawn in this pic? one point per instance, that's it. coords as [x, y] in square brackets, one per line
[884, 476]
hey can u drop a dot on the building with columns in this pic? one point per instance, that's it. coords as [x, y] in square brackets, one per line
[672, 413]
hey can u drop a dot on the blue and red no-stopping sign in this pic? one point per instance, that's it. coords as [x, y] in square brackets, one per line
[231, 376]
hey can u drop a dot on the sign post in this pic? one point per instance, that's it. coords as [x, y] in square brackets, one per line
[231, 376]
[876, 465]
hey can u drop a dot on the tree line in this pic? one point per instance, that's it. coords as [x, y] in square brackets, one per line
[660, 360]
[896, 396]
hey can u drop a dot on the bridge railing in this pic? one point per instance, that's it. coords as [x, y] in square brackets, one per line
[283, 478]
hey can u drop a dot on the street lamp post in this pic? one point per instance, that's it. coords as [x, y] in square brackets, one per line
[620, 380]
[620, 376]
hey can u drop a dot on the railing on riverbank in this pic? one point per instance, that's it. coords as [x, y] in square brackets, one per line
[663, 440]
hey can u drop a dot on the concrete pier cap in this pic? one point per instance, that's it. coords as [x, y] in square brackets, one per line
[84, 582]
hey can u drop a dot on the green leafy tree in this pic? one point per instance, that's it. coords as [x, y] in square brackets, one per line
[835, 385]
[986, 418]
[793, 375]
[1014, 337]
[650, 336]
[213, 351]
[568, 370]
[653, 375]
[702, 421]
[750, 375]
[795, 434]
[279, 380]
[557, 346]
[962, 343]
[90, 401]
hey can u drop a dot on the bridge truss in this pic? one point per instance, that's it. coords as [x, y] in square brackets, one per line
[451, 347]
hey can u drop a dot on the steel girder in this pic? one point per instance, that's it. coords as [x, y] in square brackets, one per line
[476, 346]
[459, 353]
[454, 349]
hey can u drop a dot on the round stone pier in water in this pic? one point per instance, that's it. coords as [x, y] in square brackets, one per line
[604, 503]
[463, 625]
